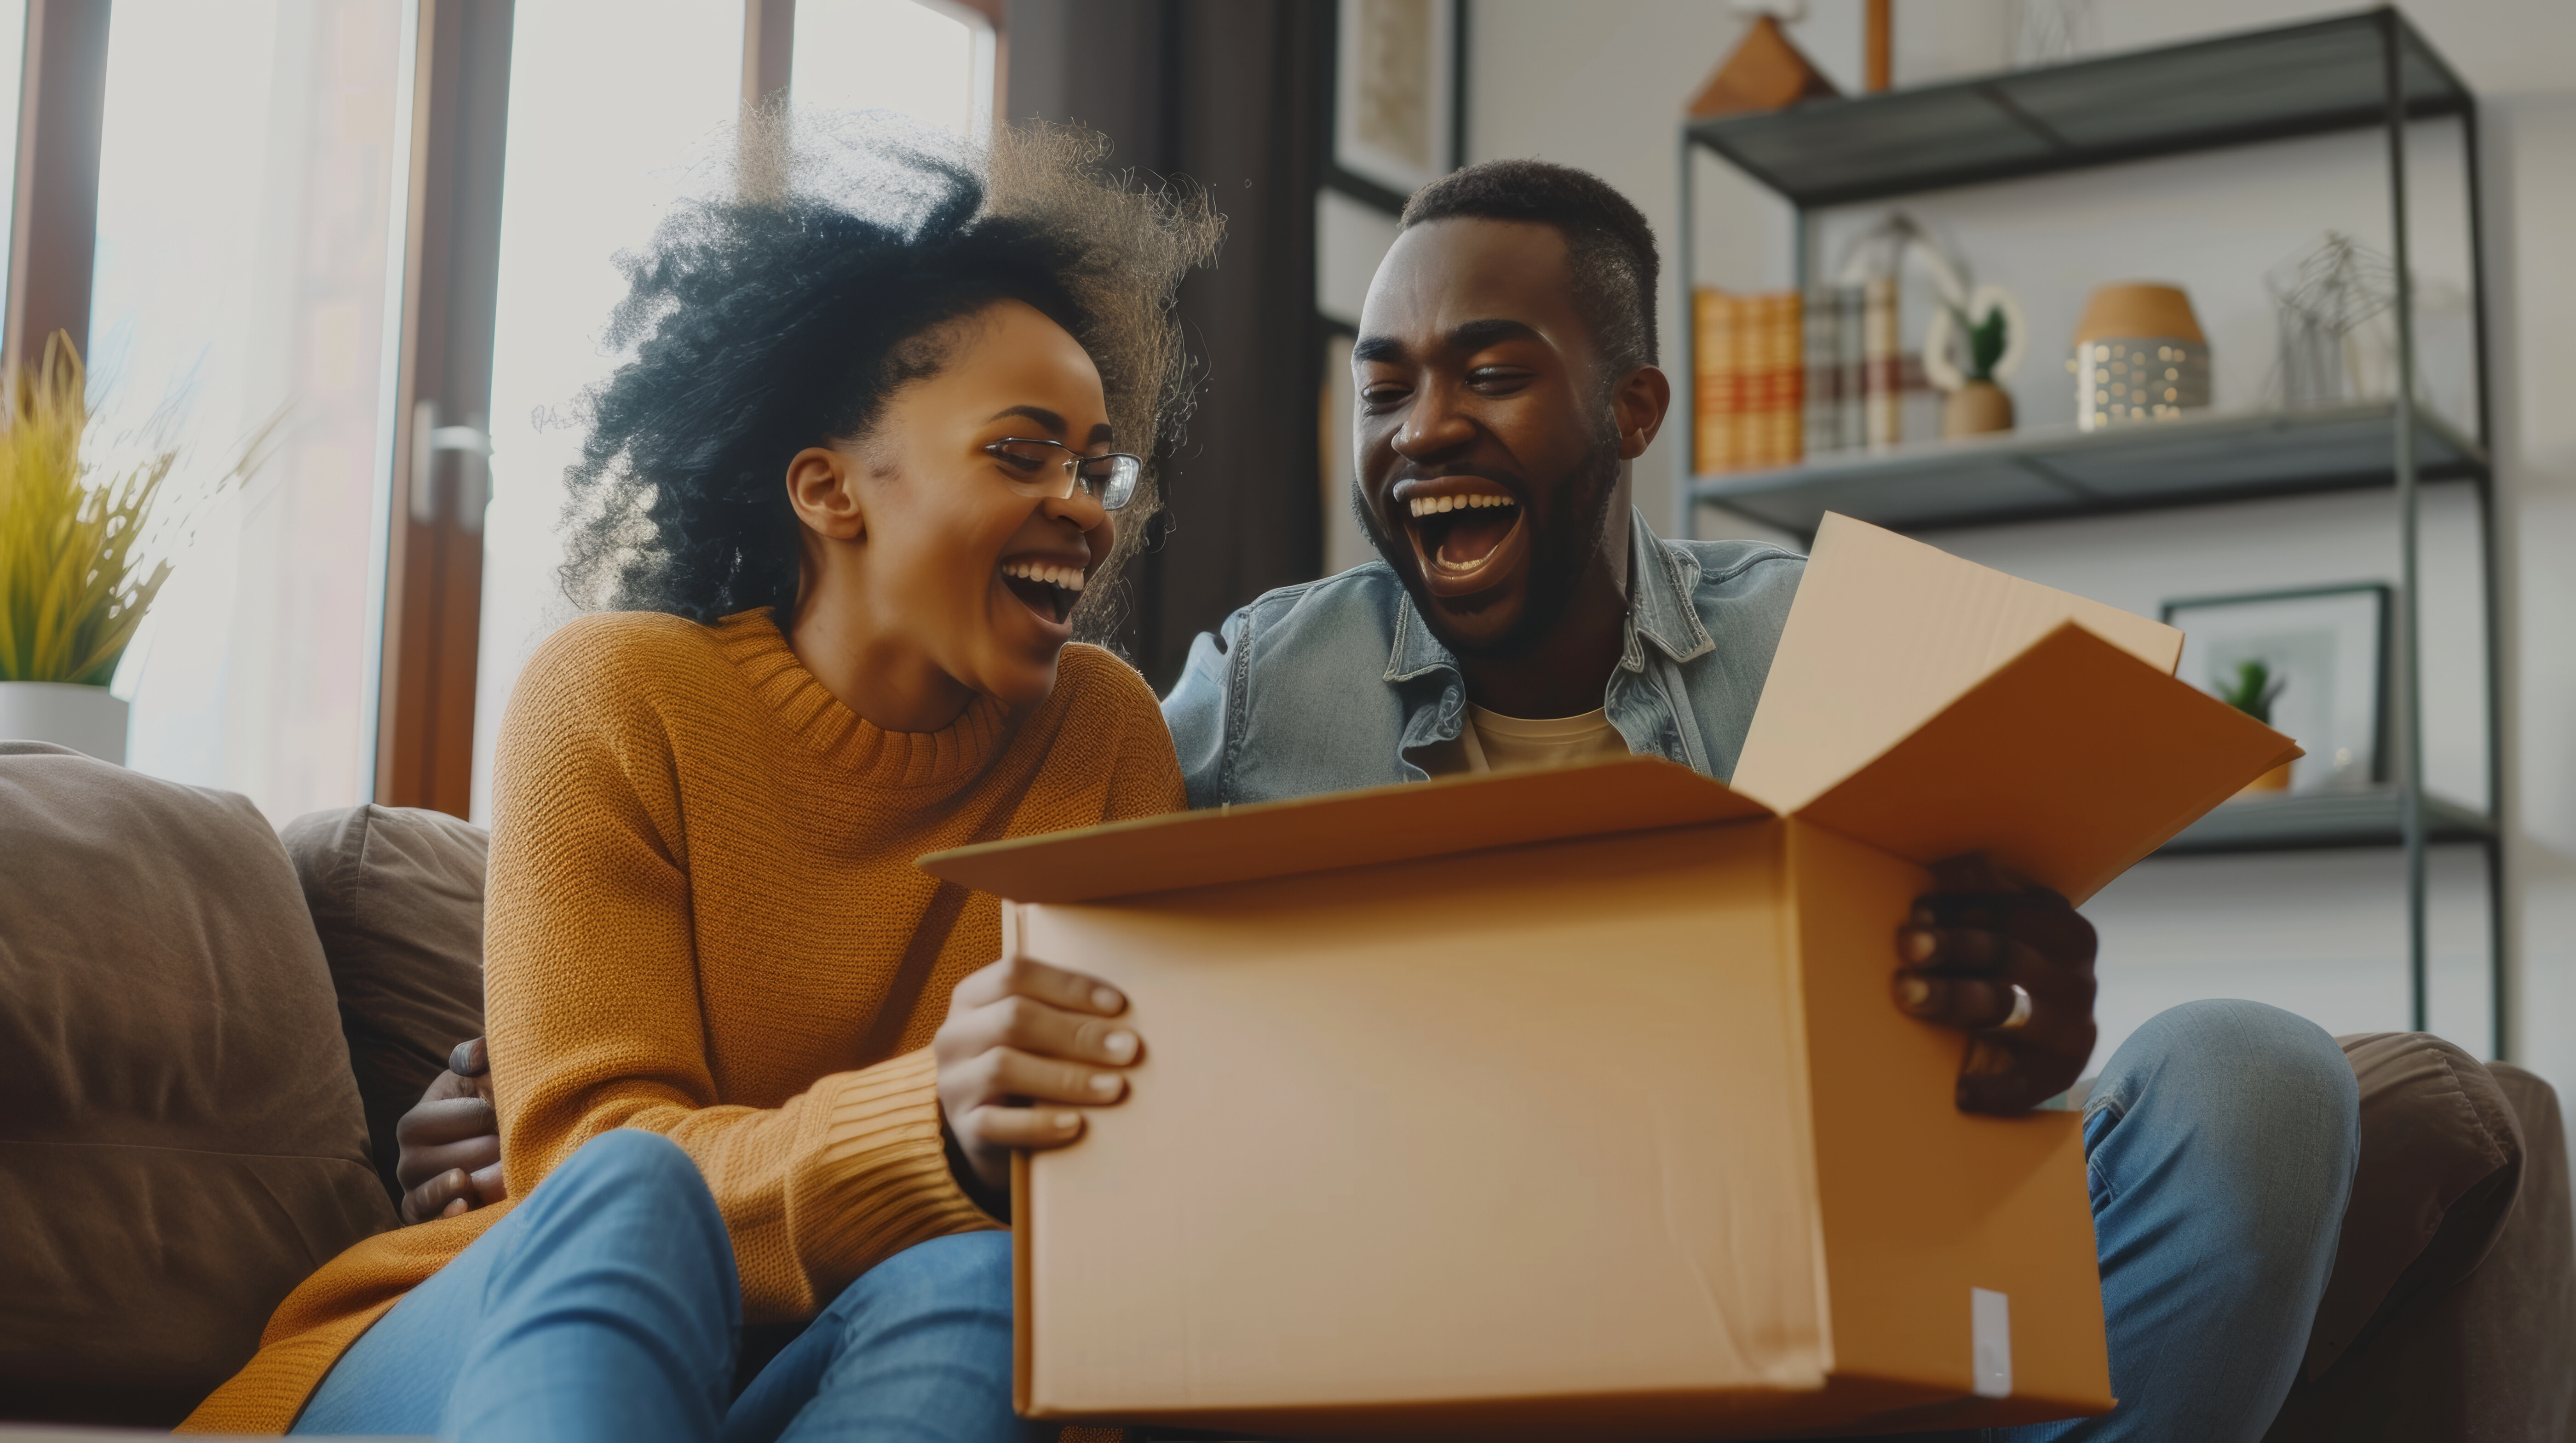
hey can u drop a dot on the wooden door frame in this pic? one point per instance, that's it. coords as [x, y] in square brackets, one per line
[53, 242]
[443, 389]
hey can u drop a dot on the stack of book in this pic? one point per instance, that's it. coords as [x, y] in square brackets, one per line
[1781, 376]
[1749, 380]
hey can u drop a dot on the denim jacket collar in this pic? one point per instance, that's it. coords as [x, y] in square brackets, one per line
[1661, 582]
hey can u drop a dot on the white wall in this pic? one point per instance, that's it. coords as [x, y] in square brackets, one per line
[1602, 85]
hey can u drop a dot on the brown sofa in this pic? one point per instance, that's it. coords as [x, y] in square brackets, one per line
[211, 1031]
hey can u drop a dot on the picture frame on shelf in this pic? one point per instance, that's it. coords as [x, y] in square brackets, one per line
[1395, 93]
[2327, 648]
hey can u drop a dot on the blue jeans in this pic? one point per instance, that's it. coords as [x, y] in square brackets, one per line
[2219, 1145]
[604, 1307]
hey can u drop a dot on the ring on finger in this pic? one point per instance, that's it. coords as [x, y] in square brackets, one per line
[2020, 1010]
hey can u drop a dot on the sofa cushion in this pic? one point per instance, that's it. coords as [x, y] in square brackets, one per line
[2486, 1357]
[2441, 1157]
[182, 1143]
[396, 894]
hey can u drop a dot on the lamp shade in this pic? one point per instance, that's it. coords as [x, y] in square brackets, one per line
[2138, 308]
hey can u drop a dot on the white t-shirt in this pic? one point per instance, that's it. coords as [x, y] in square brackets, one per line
[1493, 742]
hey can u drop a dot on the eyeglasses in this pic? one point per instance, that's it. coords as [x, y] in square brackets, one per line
[1051, 470]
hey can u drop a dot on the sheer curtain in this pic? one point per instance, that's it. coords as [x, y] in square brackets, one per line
[251, 174]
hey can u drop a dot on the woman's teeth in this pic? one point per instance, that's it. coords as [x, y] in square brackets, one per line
[1434, 505]
[1068, 577]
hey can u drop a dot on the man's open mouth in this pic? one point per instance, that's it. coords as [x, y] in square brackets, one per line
[1049, 588]
[1466, 531]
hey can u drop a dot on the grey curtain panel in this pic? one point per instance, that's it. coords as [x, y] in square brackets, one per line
[1234, 95]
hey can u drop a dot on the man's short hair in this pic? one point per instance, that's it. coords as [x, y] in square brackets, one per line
[1608, 245]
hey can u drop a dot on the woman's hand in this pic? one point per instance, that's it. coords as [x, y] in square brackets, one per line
[449, 1158]
[1978, 935]
[1023, 1045]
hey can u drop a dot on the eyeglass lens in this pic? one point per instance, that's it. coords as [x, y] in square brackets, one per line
[1110, 478]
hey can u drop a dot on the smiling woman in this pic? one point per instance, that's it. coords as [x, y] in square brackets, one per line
[846, 504]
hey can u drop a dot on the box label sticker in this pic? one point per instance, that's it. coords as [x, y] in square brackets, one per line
[1990, 1342]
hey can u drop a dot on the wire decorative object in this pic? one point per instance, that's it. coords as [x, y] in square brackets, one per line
[2333, 306]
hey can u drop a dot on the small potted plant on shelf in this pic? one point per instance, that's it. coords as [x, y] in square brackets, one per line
[2252, 691]
[78, 560]
[1979, 405]
[1975, 339]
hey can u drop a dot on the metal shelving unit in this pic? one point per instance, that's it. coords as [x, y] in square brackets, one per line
[2370, 70]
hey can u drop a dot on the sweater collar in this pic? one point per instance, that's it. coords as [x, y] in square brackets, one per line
[942, 760]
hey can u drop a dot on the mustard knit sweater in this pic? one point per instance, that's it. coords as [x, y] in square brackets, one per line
[702, 904]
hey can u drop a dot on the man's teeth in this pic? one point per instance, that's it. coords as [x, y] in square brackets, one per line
[1434, 505]
[1068, 577]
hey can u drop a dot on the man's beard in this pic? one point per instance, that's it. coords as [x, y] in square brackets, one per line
[1560, 556]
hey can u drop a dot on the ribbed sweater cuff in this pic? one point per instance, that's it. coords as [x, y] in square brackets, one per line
[880, 1182]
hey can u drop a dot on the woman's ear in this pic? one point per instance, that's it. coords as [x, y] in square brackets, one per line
[821, 486]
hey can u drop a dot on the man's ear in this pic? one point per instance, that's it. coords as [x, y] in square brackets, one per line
[1638, 404]
[822, 487]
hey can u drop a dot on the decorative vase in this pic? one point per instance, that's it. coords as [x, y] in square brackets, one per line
[2139, 356]
[85, 718]
[1976, 408]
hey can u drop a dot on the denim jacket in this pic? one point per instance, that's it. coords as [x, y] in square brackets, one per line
[1337, 683]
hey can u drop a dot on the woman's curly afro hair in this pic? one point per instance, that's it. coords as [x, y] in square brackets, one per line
[784, 313]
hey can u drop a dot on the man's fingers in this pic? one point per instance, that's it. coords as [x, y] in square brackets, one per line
[1055, 986]
[446, 1120]
[489, 1185]
[1968, 1003]
[1968, 949]
[470, 1059]
[2008, 1093]
[439, 1197]
[472, 1154]
[1033, 1128]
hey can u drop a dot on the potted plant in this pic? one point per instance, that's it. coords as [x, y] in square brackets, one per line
[1982, 328]
[2252, 692]
[1979, 405]
[74, 582]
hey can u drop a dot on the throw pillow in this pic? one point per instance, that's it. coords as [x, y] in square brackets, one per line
[183, 1142]
[397, 896]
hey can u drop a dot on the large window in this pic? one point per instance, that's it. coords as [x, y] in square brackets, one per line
[610, 103]
[931, 61]
[250, 174]
[616, 108]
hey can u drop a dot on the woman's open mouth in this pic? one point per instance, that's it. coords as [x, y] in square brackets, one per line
[1466, 531]
[1049, 588]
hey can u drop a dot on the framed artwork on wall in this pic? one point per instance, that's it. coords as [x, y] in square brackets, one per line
[1395, 93]
[2322, 654]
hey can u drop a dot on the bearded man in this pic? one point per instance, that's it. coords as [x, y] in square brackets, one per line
[1522, 613]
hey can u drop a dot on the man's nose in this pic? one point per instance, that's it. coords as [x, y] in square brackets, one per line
[1433, 424]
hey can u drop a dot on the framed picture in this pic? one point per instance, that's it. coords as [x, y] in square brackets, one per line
[2323, 656]
[1395, 92]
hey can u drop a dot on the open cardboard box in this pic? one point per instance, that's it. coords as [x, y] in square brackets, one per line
[1572, 1103]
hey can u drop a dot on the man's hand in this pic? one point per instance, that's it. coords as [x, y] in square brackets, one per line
[1023, 1044]
[1976, 936]
[450, 1142]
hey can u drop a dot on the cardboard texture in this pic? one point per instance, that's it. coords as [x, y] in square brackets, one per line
[1572, 1102]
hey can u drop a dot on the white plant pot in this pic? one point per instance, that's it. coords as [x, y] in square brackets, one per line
[84, 718]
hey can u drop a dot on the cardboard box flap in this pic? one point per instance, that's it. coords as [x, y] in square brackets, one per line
[1887, 631]
[1341, 829]
[2067, 764]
